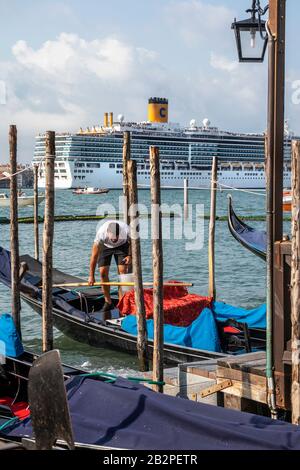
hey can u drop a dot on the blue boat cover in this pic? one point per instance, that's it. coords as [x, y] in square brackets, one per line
[255, 318]
[201, 334]
[10, 343]
[127, 415]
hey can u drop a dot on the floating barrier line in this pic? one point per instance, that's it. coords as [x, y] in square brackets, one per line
[220, 188]
[78, 218]
[232, 188]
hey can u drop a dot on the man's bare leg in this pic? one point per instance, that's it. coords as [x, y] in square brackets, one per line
[122, 269]
[104, 271]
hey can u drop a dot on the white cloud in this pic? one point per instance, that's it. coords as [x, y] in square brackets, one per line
[200, 23]
[69, 56]
[222, 63]
[68, 82]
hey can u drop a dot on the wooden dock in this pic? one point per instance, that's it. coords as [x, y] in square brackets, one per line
[237, 382]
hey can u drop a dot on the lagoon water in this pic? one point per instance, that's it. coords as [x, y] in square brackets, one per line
[240, 276]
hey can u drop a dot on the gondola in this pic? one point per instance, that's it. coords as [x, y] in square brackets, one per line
[14, 379]
[79, 315]
[252, 239]
[122, 414]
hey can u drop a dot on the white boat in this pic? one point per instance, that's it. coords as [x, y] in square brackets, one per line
[23, 200]
[90, 191]
[93, 157]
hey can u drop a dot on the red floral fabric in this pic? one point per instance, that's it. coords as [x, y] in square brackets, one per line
[180, 307]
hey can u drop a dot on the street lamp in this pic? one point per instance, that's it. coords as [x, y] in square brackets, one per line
[250, 35]
[278, 328]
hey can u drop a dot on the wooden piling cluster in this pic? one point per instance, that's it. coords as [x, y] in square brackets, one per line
[18, 269]
[130, 195]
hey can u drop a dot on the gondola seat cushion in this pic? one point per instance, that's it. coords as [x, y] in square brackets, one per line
[180, 307]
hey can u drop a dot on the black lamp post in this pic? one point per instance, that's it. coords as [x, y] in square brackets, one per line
[272, 34]
[250, 35]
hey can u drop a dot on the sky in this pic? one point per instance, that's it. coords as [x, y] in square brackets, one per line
[63, 63]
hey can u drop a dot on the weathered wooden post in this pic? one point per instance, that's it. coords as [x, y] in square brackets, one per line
[126, 158]
[142, 346]
[36, 211]
[48, 242]
[14, 234]
[186, 198]
[295, 284]
[157, 253]
[212, 227]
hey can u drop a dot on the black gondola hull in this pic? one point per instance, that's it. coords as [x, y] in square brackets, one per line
[102, 336]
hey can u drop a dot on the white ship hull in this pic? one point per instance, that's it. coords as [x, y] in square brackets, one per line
[111, 178]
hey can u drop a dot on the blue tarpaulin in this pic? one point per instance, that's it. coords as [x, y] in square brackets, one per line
[255, 318]
[10, 343]
[131, 416]
[201, 334]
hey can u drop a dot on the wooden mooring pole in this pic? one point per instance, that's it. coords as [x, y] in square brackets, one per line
[186, 198]
[212, 228]
[126, 158]
[142, 344]
[36, 212]
[157, 254]
[48, 243]
[295, 284]
[14, 234]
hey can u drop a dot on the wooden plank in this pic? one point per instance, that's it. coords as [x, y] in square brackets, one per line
[215, 388]
[225, 373]
[236, 361]
[207, 370]
[247, 390]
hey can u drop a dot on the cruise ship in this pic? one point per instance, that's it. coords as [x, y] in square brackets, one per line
[92, 157]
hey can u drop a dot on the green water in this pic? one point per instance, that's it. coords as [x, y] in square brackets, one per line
[240, 276]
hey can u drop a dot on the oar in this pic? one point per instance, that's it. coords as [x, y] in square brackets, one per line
[122, 284]
[48, 402]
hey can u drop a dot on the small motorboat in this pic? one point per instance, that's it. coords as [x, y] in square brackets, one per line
[90, 191]
[23, 200]
[287, 201]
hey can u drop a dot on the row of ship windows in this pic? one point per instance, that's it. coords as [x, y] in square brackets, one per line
[171, 173]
